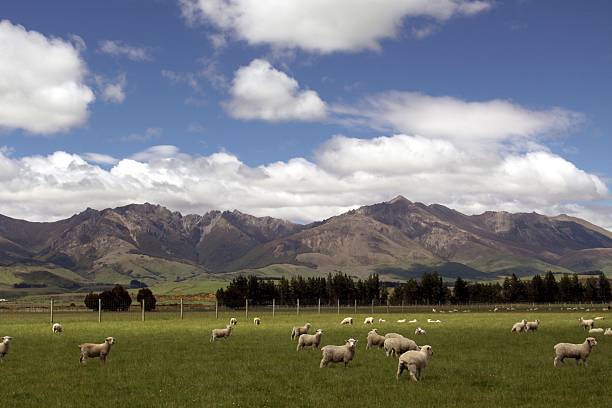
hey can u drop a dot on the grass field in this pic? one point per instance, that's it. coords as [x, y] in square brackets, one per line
[166, 362]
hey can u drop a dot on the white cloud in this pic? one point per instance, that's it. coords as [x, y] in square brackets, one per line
[321, 25]
[149, 133]
[119, 48]
[112, 91]
[100, 158]
[41, 82]
[259, 91]
[344, 174]
[452, 118]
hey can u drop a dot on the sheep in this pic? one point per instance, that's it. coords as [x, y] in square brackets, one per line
[587, 324]
[598, 331]
[233, 321]
[414, 361]
[519, 327]
[375, 339]
[580, 352]
[608, 332]
[338, 354]
[532, 326]
[4, 347]
[398, 345]
[57, 328]
[413, 321]
[297, 331]
[220, 333]
[89, 350]
[599, 318]
[256, 321]
[434, 321]
[313, 340]
[392, 335]
[347, 320]
[381, 320]
[401, 321]
[419, 331]
[368, 320]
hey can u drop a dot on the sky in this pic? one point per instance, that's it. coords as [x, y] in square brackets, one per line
[303, 109]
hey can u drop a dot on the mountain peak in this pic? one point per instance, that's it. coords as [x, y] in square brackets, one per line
[399, 199]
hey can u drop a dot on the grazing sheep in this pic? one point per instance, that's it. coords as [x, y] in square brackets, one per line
[375, 339]
[257, 321]
[401, 321]
[220, 333]
[233, 321]
[392, 335]
[57, 328]
[398, 345]
[414, 361]
[519, 327]
[4, 347]
[434, 321]
[598, 330]
[381, 320]
[413, 321]
[313, 340]
[608, 332]
[587, 324]
[297, 331]
[419, 331]
[580, 352]
[89, 350]
[347, 320]
[368, 320]
[338, 354]
[532, 326]
[599, 318]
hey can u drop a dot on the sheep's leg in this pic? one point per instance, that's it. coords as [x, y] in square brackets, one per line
[413, 371]
[83, 359]
[400, 370]
[103, 358]
[323, 363]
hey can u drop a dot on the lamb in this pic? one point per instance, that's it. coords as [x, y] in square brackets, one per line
[532, 326]
[598, 330]
[233, 321]
[297, 331]
[339, 354]
[398, 345]
[347, 320]
[419, 331]
[375, 339]
[57, 328]
[368, 320]
[580, 352]
[587, 324]
[599, 318]
[313, 340]
[434, 321]
[4, 347]
[413, 321]
[519, 327]
[392, 335]
[414, 361]
[401, 321]
[96, 350]
[257, 321]
[381, 320]
[608, 332]
[220, 333]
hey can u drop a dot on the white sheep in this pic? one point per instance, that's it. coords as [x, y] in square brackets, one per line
[608, 332]
[599, 318]
[596, 331]
[519, 327]
[347, 320]
[375, 339]
[312, 340]
[233, 321]
[4, 347]
[256, 321]
[532, 326]
[398, 345]
[297, 331]
[401, 321]
[381, 320]
[338, 354]
[413, 321]
[57, 328]
[587, 324]
[580, 352]
[414, 361]
[368, 320]
[419, 331]
[434, 321]
[89, 350]
[392, 335]
[221, 333]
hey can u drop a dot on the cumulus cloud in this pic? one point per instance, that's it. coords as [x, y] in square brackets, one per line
[320, 25]
[149, 133]
[259, 91]
[119, 48]
[112, 91]
[100, 158]
[37, 97]
[345, 173]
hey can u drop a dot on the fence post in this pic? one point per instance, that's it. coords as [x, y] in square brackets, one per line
[216, 309]
[52, 311]
[99, 310]
[298, 306]
[319, 305]
[372, 306]
[246, 308]
[273, 307]
[338, 305]
[387, 305]
[355, 306]
[402, 306]
[143, 310]
[181, 308]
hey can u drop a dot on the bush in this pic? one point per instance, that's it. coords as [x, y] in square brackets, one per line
[145, 295]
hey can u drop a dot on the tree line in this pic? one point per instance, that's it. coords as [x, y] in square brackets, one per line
[119, 299]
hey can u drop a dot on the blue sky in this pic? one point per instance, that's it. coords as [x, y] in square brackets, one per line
[542, 68]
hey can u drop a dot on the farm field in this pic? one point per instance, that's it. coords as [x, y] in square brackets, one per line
[167, 362]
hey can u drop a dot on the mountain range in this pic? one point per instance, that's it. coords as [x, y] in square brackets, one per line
[397, 239]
